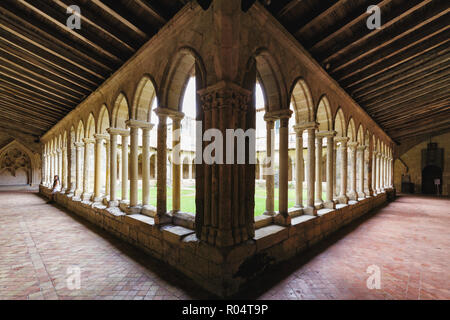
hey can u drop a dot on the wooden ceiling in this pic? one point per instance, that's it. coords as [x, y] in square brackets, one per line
[398, 74]
[47, 69]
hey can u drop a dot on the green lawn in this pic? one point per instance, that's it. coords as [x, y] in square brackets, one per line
[188, 199]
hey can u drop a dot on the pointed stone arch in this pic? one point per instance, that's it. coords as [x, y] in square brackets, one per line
[351, 130]
[302, 102]
[339, 123]
[103, 120]
[120, 112]
[90, 126]
[144, 96]
[323, 114]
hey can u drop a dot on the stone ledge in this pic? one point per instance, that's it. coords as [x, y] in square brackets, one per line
[263, 221]
[268, 236]
[174, 234]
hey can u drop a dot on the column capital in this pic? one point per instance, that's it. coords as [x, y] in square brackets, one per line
[326, 134]
[117, 131]
[79, 145]
[162, 112]
[58, 150]
[100, 137]
[279, 114]
[341, 139]
[88, 140]
[139, 124]
[362, 147]
[353, 144]
[306, 126]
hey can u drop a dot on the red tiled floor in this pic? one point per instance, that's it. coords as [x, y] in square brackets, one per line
[408, 240]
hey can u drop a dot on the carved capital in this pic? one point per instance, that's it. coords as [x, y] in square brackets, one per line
[225, 95]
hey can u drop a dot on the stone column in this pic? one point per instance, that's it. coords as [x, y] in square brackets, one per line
[161, 167]
[108, 166]
[370, 169]
[176, 160]
[335, 189]
[352, 194]
[310, 169]
[284, 116]
[125, 138]
[378, 172]
[361, 193]
[88, 142]
[134, 156]
[59, 159]
[71, 166]
[329, 203]
[98, 166]
[79, 174]
[225, 206]
[392, 172]
[343, 199]
[113, 133]
[64, 169]
[299, 166]
[374, 172]
[146, 166]
[319, 150]
[269, 165]
[385, 184]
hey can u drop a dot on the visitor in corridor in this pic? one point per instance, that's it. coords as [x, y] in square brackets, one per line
[56, 187]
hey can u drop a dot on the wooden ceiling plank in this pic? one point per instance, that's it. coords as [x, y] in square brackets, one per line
[38, 31]
[399, 82]
[18, 68]
[398, 56]
[64, 29]
[417, 34]
[32, 81]
[32, 108]
[357, 43]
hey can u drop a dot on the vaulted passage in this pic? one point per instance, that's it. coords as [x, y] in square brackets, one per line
[407, 240]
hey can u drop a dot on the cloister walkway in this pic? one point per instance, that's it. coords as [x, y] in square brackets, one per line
[408, 240]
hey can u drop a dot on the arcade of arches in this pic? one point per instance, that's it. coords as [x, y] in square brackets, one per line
[126, 155]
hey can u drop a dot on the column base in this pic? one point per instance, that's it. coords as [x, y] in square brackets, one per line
[312, 211]
[70, 192]
[86, 197]
[361, 195]
[352, 195]
[149, 210]
[269, 213]
[282, 220]
[343, 199]
[163, 219]
[133, 210]
[113, 204]
[124, 204]
[329, 205]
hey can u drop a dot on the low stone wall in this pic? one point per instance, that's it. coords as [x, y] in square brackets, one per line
[223, 272]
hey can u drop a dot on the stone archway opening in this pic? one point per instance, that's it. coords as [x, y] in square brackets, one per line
[430, 175]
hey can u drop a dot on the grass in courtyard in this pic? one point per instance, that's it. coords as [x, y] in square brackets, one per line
[188, 198]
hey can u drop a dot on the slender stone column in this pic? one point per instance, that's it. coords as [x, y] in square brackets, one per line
[374, 172]
[352, 195]
[113, 133]
[310, 169]
[329, 203]
[392, 172]
[269, 165]
[319, 173]
[299, 166]
[335, 170]
[88, 143]
[343, 199]
[134, 156]
[378, 172]
[125, 138]
[72, 165]
[64, 169]
[161, 163]
[79, 174]
[176, 160]
[370, 169]
[361, 193]
[108, 166]
[385, 172]
[146, 166]
[98, 166]
[284, 116]
[59, 159]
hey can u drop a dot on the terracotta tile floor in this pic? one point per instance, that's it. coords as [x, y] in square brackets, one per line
[408, 240]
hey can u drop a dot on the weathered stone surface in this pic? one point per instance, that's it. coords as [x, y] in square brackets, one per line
[269, 236]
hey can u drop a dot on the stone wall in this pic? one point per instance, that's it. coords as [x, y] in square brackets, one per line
[220, 271]
[411, 164]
